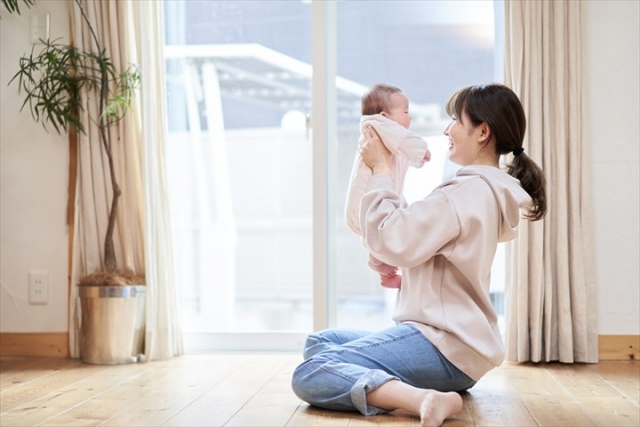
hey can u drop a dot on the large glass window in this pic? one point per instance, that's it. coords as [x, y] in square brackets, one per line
[238, 83]
[429, 49]
[239, 77]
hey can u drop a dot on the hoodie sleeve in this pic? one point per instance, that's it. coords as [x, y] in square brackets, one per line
[403, 235]
[360, 174]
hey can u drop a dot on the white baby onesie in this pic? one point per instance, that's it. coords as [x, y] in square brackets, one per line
[408, 149]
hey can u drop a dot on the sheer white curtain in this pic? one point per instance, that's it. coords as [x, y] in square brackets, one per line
[142, 238]
[163, 330]
[551, 290]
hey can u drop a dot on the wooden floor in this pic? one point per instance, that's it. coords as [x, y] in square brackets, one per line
[254, 390]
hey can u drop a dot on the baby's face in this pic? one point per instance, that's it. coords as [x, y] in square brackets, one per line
[399, 110]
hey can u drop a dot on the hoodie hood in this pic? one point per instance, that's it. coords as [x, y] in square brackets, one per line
[510, 196]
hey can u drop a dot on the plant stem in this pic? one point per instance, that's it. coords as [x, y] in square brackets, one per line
[110, 263]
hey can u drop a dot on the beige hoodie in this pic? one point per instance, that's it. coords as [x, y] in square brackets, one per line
[445, 244]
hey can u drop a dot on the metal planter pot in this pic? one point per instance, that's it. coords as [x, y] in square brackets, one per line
[113, 324]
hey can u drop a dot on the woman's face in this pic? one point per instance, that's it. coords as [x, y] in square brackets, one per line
[399, 110]
[463, 140]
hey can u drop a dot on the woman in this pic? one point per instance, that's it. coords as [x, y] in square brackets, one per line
[446, 335]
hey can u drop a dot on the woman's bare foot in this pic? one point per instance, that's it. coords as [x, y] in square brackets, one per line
[437, 406]
[432, 406]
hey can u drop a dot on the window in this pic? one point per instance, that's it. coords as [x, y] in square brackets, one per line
[239, 78]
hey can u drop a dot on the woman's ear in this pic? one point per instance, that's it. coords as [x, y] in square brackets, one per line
[485, 133]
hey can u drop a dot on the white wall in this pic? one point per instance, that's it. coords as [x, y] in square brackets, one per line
[33, 184]
[613, 130]
[34, 175]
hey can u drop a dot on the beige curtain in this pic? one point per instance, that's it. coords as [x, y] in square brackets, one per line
[114, 22]
[551, 290]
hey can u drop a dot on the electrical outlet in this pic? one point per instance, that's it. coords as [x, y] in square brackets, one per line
[38, 287]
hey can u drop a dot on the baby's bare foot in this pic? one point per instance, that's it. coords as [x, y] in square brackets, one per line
[391, 282]
[437, 406]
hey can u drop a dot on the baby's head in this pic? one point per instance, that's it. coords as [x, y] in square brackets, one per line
[388, 101]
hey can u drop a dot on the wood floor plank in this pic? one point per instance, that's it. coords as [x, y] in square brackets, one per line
[255, 390]
[308, 416]
[590, 390]
[390, 420]
[67, 372]
[157, 395]
[462, 418]
[15, 364]
[245, 376]
[580, 380]
[269, 400]
[547, 401]
[93, 412]
[274, 402]
[58, 402]
[622, 375]
[494, 402]
[32, 370]
[121, 397]
[500, 411]
[611, 410]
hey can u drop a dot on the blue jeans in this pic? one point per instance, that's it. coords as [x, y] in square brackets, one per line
[342, 365]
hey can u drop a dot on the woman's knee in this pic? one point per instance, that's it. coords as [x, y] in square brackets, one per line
[302, 384]
[328, 339]
[317, 386]
[314, 344]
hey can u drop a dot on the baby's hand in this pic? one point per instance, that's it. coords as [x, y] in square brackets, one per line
[425, 159]
[427, 156]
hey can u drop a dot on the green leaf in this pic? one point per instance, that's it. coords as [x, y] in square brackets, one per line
[13, 6]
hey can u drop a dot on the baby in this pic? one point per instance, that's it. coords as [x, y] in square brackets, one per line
[386, 109]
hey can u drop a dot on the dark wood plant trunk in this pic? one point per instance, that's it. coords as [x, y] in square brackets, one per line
[110, 261]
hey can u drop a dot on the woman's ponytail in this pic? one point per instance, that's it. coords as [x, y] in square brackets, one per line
[532, 180]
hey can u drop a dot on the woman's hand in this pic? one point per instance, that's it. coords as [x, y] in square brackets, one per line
[374, 154]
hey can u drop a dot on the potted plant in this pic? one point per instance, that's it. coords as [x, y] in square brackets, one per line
[56, 82]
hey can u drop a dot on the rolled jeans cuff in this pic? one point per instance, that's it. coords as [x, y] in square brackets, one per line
[366, 384]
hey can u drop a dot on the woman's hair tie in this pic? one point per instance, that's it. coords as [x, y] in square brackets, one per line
[518, 151]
